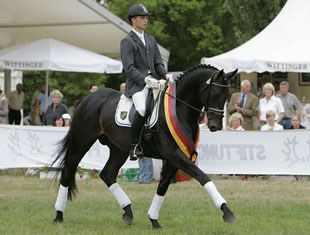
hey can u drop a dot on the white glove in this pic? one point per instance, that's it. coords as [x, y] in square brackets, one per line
[152, 82]
[169, 78]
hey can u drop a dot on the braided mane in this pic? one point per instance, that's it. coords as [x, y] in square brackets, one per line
[195, 68]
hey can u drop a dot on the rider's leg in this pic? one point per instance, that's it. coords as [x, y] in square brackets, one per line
[138, 99]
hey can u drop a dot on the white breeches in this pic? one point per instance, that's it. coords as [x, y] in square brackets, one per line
[139, 100]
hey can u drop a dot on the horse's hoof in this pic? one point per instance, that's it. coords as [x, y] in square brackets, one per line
[229, 218]
[59, 217]
[155, 224]
[128, 219]
[58, 220]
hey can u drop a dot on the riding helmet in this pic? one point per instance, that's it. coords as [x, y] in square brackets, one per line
[137, 10]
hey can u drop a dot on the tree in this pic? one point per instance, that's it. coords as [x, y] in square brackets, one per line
[189, 29]
[73, 85]
[251, 17]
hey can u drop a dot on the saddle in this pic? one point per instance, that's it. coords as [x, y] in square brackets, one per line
[126, 110]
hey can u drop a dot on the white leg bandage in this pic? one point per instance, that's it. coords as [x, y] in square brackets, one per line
[119, 195]
[155, 206]
[214, 194]
[62, 198]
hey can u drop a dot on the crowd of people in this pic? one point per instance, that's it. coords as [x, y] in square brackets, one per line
[45, 110]
[274, 111]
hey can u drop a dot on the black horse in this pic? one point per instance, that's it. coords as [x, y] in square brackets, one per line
[200, 86]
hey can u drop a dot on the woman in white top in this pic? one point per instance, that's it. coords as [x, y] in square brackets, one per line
[236, 122]
[270, 102]
[271, 125]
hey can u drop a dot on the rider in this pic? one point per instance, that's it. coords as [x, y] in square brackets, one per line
[140, 57]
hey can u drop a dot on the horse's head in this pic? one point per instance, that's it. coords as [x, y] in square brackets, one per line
[214, 93]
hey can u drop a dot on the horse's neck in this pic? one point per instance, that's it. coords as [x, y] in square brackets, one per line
[188, 106]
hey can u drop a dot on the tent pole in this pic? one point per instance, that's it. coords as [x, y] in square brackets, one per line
[46, 89]
[7, 81]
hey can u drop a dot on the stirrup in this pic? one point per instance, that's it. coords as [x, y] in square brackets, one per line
[136, 152]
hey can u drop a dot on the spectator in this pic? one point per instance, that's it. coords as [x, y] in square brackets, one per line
[236, 122]
[290, 103]
[59, 122]
[203, 120]
[67, 119]
[270, 102]
[56, 109]
[93, 88]
[4, 108]
[122, 87]
[35, 111]
[271, 124]
[40, 101]
[244, 103]
[16, 102]
[296, 122]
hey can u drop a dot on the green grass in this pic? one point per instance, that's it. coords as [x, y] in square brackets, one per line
[261, 207]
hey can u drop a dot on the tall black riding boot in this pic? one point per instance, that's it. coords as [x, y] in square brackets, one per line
[136, 150]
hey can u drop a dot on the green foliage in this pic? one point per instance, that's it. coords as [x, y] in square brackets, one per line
[251, 17]
[72, 85]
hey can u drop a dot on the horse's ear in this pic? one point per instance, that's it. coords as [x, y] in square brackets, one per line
[232, 74]
[220, 73]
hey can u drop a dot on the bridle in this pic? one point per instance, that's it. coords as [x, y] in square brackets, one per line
[209, 110]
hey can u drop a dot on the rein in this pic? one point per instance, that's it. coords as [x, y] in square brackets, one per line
[209, 109]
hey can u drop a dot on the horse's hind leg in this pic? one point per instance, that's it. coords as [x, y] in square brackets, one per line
[186, 165]
[168, 173]
[76, 148]
[109, 174]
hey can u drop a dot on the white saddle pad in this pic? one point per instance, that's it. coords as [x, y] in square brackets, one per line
[124, 106]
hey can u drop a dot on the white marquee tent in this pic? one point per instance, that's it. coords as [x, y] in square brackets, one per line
[50, 54]
[283, 46]
[83, 23]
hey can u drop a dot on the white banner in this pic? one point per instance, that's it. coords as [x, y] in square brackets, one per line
[225, 152]
[34, 146]
[255, 152]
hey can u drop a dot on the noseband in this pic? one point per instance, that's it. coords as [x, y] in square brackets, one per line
[210, 110]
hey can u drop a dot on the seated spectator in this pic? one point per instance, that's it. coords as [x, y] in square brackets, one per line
[271, 124]
[93, 88]
[67, 119]
[236, 122]
[296, 123]
[59, 122]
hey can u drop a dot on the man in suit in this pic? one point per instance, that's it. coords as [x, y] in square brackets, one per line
[244, 103]
[140, 57]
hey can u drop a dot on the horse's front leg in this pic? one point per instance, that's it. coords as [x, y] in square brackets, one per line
[186, 165]
[168, 173]
[109, 174]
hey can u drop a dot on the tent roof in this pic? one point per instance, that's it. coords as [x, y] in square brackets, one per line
[51, 54]
[83, 23]
[283, 46]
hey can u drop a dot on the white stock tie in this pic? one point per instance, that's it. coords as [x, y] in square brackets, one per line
[142, 39]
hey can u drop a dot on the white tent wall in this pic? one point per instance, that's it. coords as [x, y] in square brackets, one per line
[283, 46]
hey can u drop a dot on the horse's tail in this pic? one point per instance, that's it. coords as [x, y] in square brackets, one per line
[63, 164]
